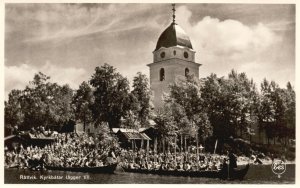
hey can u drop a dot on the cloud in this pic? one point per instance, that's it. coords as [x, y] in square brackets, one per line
[222, 45]
[124, 35]
[17, 77]
[228, 38]
[256, 68]
[56, 22]
[283, 25]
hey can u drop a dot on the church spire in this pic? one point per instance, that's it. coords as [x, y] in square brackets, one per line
[173, 9]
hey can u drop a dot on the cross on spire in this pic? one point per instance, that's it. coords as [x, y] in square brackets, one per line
[173, 9]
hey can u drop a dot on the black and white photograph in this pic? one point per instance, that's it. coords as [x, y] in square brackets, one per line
[149, 93]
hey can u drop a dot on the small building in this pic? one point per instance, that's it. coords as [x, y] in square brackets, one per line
[39, 139]
[131, 138]
[13, 141]
[153, 134]
[29, 139]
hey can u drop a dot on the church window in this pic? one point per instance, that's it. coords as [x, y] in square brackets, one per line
[187, 71]
[162, 55]
[174, 52]
[185, 54]
[162, 74]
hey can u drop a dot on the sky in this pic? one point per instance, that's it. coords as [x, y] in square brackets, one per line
[67, 41]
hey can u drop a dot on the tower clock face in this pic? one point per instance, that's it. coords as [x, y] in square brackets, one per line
[162, 54]
[185, 54]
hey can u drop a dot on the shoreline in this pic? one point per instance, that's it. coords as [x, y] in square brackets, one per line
[246, 160]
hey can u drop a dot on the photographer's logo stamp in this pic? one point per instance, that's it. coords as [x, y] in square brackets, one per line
[278, 167]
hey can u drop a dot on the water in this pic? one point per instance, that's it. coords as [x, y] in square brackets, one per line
[256, 175]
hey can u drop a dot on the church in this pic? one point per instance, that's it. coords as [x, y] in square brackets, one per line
[173, 58]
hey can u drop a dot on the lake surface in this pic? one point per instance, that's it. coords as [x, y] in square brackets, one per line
[257, 174]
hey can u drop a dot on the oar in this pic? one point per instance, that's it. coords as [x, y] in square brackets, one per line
[216, 143]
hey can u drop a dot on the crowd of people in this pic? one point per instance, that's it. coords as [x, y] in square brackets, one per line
[170, 161]
[81, 150]
[69, 150]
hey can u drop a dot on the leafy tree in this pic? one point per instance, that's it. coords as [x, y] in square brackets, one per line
[214, 97]
[14, 115]
[242, 95]
[165, 124]
[231, 104]
[277, 110]
[45, 104]
[131, 118]
[187, 107]
[284, 119]
[267, 109]
[82, 102]
[61, 104]
[105, 139]
[179, 117]
[111, 92]
[290, 113]
[141, 92]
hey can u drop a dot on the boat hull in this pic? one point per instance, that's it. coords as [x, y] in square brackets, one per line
[221, 174]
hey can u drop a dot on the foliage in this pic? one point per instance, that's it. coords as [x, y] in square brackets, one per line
[14, 115]
[41, 103]
[165, 124]
[186, 106]
[224, 107]
[230, 103]
[277, 111]
[142, 94]
[111, 92]
[82, 104]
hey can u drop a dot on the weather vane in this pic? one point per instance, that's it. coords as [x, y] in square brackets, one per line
[173, 9]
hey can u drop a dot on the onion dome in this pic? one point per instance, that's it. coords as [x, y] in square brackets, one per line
[174, 35]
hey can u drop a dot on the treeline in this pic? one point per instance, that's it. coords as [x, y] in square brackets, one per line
[229, 107]
[105, 99]
[213, 107]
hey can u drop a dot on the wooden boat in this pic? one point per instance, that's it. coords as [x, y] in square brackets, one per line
[109, 169]
[222, 174]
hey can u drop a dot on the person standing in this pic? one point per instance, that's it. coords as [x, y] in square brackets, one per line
[232, 160]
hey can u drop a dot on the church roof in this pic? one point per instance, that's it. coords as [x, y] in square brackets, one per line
[174, 35]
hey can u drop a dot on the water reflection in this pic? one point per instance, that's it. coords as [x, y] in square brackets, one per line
[256, 174]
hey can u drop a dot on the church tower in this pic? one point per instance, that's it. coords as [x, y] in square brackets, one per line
[173, 57]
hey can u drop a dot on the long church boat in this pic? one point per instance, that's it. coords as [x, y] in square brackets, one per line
[224, 173]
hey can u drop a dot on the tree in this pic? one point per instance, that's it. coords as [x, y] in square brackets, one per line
[165, 124]
[186, 103]
[277, 110]
[82, 102]
[291, 110]
[111, 92]
[61, 105]
[284, 116]
[242, 95]
[179, 117]
[131, 118]
[14, 116]
[215, 101]
[45, 104]
[231, 104]
[141, 92]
